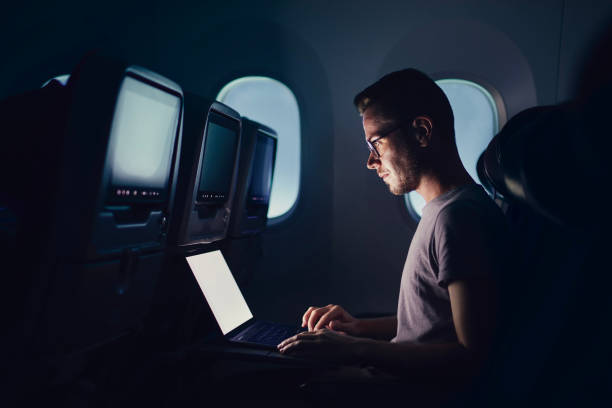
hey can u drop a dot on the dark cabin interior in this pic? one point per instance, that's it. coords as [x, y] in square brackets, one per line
[345, 238]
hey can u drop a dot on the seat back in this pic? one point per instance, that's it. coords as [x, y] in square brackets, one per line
[551, 298]
[254, 183]
[207, 174]
[99, 228]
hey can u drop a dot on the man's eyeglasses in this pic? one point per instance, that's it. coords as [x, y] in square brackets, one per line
[371, 143]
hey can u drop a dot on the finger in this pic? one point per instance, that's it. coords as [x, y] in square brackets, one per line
[300, 336]
[326, 319]
[334, 312]
[287, 341]
[289, 347]
[307, 315]
[297, 347]
[315, 315]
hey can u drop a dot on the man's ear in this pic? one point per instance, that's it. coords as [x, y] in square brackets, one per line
[422, 126]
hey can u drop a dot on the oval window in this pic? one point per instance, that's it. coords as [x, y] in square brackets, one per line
[476, 122]
[272, 103]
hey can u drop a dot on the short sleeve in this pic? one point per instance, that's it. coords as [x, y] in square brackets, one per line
[465, 244]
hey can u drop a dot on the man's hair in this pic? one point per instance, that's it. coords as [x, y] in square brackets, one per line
[406, 94]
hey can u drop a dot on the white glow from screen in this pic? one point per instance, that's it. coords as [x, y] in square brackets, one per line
[476, 122]
[220, 290]
[272, 103]
[143, 132]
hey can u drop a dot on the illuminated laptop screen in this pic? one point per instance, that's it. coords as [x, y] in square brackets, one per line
[143, 135]
[220, 290]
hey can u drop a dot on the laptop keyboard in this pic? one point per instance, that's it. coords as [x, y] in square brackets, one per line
[268, 333]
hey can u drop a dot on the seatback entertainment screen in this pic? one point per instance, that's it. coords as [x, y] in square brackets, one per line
[260, 181]
[143, 136]
[220, 149]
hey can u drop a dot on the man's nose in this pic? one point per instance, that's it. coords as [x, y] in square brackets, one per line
[372, 162]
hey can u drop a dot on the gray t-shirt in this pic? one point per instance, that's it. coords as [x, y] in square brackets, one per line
[461, 235]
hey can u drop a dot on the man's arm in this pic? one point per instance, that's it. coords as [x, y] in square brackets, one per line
[472, 304]
[381, 328]
[473, 307]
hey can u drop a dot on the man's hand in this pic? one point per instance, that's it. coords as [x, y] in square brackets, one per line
[323, 344]
[333, 317]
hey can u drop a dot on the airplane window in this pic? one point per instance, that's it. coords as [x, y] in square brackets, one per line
[476, 122]
[272, 103]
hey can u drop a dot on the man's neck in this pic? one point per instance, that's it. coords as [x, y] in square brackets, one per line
[434, 184]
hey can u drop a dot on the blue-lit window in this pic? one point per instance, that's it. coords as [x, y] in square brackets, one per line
[477, 120]
[272, 103]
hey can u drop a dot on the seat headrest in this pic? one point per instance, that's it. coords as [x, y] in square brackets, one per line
[30, 133]
[501, 178]
[533, 159]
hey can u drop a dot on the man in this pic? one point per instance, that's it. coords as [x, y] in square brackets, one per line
[446, 311]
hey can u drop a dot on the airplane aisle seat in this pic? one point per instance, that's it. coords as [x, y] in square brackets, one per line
[207, 177]
[110, 206]
[551, 346]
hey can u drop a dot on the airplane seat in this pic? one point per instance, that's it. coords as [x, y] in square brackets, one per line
[95, 225]
[29, 157]
[243, 257]
[103, 226]
[243, 248]
[207, 173]
[205, 191]
[26, 118]
[255, 176]
[539, 164]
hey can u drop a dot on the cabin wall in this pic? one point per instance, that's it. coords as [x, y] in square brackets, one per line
[347, 239]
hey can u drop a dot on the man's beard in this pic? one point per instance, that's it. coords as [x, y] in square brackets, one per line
[408, 168]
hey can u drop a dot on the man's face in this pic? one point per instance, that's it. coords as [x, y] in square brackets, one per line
[398, 165]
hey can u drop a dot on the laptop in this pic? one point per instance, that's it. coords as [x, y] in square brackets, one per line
[229, 307]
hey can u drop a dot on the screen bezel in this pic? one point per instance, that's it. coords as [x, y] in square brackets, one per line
[228, 122]
[163, 194]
